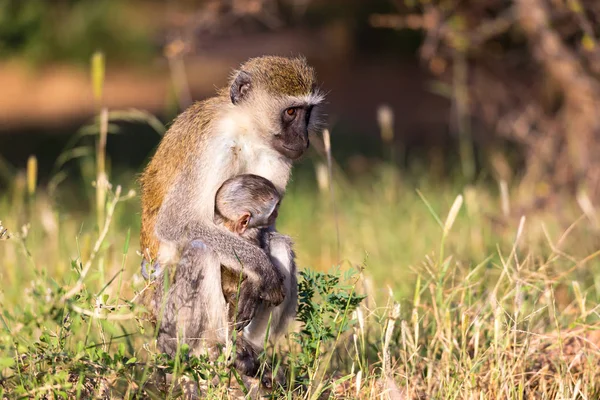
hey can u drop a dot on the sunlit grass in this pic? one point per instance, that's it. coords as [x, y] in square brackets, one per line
[464, 298]
[461, 302]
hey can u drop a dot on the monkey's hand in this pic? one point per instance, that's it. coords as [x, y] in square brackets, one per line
[236, 254]
[244, 299]
[247, 300]
[272, 288]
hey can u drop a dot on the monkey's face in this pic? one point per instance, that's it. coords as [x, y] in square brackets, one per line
[292, 139]
[282, 97]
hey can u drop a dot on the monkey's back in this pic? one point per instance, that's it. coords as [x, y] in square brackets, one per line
[175, 155]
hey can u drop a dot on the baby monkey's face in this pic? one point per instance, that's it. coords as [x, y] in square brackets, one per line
[260, 217]
[247, 202]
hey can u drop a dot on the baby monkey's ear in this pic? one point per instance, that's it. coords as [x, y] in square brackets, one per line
[242, 224]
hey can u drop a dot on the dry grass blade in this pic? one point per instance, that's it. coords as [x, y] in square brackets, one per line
[86, 268]
[389, 329]
[101, 176]
[452, 214]
[97, 72]
[327, 143]
[32, 173]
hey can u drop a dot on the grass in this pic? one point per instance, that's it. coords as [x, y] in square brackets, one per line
[462, 302]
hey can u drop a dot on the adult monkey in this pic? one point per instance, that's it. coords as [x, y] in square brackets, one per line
[259, 125]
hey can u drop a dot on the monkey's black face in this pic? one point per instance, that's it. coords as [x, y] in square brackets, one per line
[293, 141]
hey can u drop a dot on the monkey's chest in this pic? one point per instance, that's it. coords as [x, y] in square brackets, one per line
[262, 161]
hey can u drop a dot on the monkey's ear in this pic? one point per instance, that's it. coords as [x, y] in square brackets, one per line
[240, 87]
[242, 223]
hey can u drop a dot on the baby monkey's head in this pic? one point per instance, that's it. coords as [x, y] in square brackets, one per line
[245, 202]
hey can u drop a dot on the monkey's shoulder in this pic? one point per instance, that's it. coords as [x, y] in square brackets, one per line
[196, 118]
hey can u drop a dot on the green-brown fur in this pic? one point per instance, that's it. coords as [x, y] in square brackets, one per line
[279, 75]
[174, 154]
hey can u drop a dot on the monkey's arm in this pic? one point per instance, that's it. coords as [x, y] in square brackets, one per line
[188, 214]
[265, 281]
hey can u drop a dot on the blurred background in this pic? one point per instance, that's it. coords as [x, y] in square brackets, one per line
[162, 55]
[494, 100]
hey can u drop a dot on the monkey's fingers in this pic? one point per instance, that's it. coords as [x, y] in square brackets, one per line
[273, 298]
[243, 319]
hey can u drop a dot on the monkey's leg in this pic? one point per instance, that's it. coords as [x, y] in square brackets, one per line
[282, 254]
[194, 309]
[236, 287]
[245, 305]
[271, 322]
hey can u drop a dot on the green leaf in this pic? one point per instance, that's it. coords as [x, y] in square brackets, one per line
[121, 349]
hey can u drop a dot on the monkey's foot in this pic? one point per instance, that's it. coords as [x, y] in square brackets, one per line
[247, 363]
[271, 381]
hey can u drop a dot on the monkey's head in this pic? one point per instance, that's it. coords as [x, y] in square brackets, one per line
[247, 201]
[282, 97]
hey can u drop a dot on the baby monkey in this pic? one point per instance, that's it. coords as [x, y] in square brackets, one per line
[246, 205]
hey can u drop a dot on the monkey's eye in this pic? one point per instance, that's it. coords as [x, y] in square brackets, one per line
[290, 113]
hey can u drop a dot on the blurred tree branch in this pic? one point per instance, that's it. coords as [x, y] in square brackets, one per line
[215, 18]
[533, 77]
